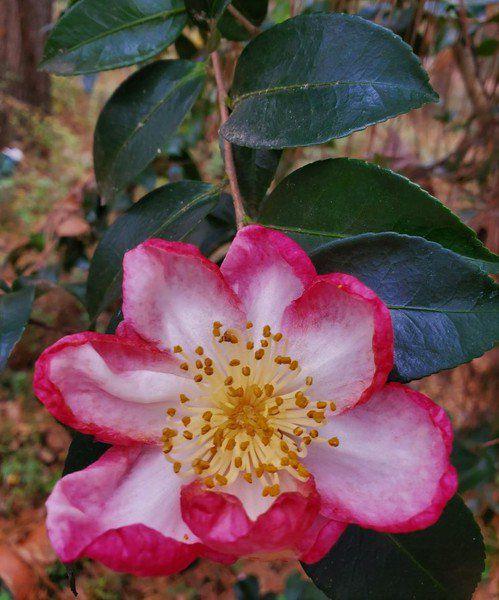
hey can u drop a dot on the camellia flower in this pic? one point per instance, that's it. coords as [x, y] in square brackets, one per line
[248, 410]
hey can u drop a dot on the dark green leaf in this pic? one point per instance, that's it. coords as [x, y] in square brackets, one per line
[82, 452]
[255, 168]
[301, 589]
[337, 198]
[247, 589]
[141, 114]
[445, 310]
[202, 11]
[321, 76]
[170, 212]
[475, 457]
[216, 229]
[185, 48]
[443, 562]
[488, 47]
[255, 11]
[15, 308]
[92, 36]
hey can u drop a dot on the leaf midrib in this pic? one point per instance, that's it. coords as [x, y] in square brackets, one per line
[306, 86]
[390, 306]
[412, 558]
[142, 122]
[109, 32]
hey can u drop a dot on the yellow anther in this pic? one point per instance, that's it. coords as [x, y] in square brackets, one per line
[167, 448]
[205, 429]
[285, 461]
[334, 441]
[198, 378]
[177, 466]
[250, 345]
[208, 362]
[274, 490]
[274, 410]
[279, 401]
[238, 461]
[209, 483]
[257, 391]
[221, 480]
[208, 371]
[216, 332]
[229, 380]
[278, 337]
[266, 491]
[313, 433]
[309, 380]
[246, 371]
[264, 343]
[332, 406]
[244, 445]
[169, 433]
[259, 471]
[321, 404]
[307, 440]
[236, 393]
[184, 366]
[302, 402]
[217, 324]
[249, 325]
[297, 430]
[184, 398]
[259, 353]
[266, 331]
[302, 471]
[234, 362]
[199, 364]
[171, 412]
[186, 421]
[294, 365]
[231, 444]
[218, 437]
[282, 360]
[269, 389]
[177, 349]
[248, 477]
[187, 434]
[199, 350]
[284, 446]
[207, 415]
[318, 417]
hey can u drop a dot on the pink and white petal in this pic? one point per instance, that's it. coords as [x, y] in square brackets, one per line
[124, 510]
[319, 539]
[172, 295]
[391, 471]
[247, 523]
[267, 270]
[341, 334]
[116, 389]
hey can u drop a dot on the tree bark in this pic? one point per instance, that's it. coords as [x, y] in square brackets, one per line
[23, 28]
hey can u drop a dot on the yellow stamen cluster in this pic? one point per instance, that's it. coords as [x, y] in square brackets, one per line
[252, 414]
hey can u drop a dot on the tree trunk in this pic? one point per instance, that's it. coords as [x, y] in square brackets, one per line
[23, 29]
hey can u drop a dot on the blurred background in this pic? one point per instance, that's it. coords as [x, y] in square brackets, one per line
[51, 220]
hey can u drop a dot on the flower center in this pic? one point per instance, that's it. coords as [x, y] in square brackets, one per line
[253, 415]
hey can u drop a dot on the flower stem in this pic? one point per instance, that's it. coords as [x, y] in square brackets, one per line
[230, 166]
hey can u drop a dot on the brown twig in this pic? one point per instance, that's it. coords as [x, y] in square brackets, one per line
[246, 23]
[230, 166]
